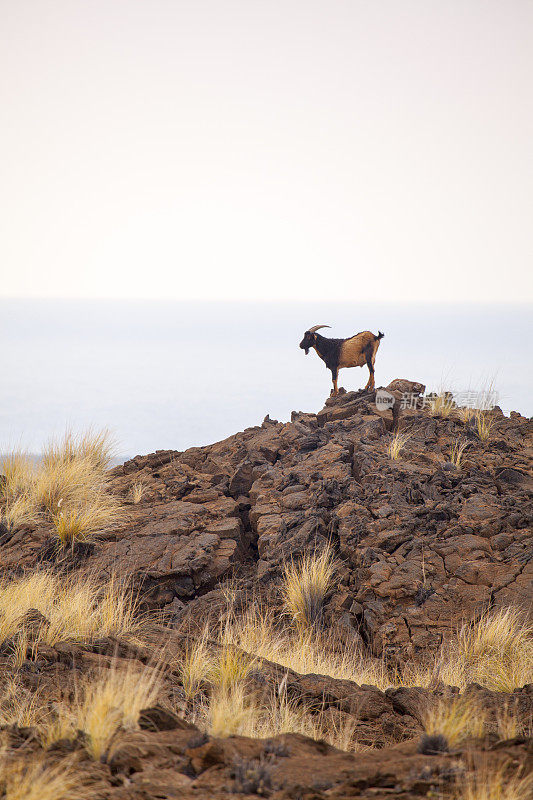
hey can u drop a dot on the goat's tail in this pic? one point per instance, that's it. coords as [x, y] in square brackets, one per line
[379, 336]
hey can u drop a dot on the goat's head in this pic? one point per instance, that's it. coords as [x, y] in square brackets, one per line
[309, 339]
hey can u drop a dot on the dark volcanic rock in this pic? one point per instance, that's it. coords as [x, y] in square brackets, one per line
[419, 543]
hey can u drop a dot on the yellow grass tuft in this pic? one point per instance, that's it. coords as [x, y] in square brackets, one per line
[483, 426]
[508, 722]
[230, 711]
[490, 784]
[69, 487]
[17, 471]
[195, 666]
[441, 405]
[458, 449]
[74, 608]
[456, 720]
[305, 652]
[103, 707]
[18, 511]
[465, 414]
[80, 523]
[230, 666]
[305, 586]
[496, 651]
[97, 448]
[30, 780]
[19, 706]
[397, 443]
[138, 490]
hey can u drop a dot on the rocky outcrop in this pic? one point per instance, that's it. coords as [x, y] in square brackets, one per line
[419, 543]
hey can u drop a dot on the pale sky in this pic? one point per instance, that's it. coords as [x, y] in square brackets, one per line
[341, 150]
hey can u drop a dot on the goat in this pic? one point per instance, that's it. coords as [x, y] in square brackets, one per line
[339, 353]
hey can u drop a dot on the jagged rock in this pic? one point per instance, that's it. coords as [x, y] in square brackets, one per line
[419, 546]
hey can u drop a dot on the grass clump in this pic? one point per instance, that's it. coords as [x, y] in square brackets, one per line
[111, 703]
[458, 449]
[396, 444]
[74, 608]
[81, 522]
[441, 405]
[138, 490]
[195, 666]
[455, 720]
[496, 652]
[68, 487]
[305, 586]
[24, 780]
[490, 784]
[483, 426]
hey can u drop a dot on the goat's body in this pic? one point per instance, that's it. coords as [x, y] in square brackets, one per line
[356, 351]
[352, 353]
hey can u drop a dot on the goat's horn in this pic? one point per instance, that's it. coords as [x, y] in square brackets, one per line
[316, 327]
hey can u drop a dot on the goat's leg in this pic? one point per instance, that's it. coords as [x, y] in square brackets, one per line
[334, 376]
[370, 364]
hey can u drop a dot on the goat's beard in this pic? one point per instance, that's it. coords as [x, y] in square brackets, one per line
[306, 351]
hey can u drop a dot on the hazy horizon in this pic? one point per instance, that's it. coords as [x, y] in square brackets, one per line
[170, 375]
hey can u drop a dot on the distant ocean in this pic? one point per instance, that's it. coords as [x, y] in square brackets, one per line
[171, 375]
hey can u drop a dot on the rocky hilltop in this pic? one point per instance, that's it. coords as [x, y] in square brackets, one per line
[420, 543]
[425, 536]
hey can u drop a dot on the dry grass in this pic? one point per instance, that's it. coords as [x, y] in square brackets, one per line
[458, 449]
[311, 651]
[195, 667]
[96, 448]
[103, 707]
[80, 523]
[483, 426]
[74, 608]
[232, 711]
[19, 706]
[18, 511]
[67, 487]
[397, 444]
[509, 723]
[305, 586]
[230, 666]
[465, 414]
[138, 490]
[30, 780]
[455, 719]
[490, 784]
[442, 405]
[496, 651]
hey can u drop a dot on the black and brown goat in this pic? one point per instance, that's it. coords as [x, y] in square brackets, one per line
[356, 351]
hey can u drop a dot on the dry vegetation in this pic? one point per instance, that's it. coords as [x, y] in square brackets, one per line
[487, 784]
[38, 781]
[456, 719]
[305, 586]
[441, 404]
[483, 425]
[458, 450]
[67, 488]
[397, 444]
[496, 652]
[72, 607]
